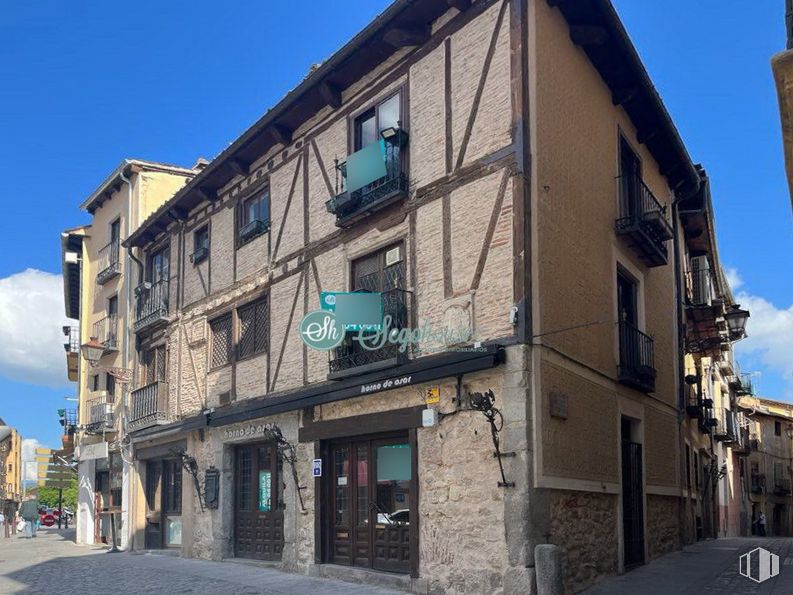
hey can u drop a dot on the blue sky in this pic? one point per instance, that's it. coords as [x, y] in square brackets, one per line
[87, 84]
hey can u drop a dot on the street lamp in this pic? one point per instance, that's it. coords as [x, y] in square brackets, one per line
[92, 351]
[736, 321]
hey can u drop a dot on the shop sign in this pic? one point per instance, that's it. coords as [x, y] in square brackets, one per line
[249, 431]
[386, 384]
[264, 491]
[316, 468]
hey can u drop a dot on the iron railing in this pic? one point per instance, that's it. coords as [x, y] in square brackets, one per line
[108, 263]
[347, 205]
[643, 218]
[106, 331]
[351, 355]
[781, 485]
[149, 405]
[151, 304]
[100, 414]
[636, 367]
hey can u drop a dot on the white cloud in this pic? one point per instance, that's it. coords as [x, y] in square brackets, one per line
[770, 340]
[733, 278]
[31, 318]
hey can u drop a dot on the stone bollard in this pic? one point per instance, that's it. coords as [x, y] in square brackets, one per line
[548, 569]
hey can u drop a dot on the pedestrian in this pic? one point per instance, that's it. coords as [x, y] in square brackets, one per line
[29, 511]
[3, 528]
[761, 523]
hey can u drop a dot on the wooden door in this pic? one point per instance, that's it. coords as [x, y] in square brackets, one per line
[371, 503]
[154, 529]
[258, 502]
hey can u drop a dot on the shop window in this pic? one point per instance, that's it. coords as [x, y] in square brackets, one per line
[254, 323]
[221, 331]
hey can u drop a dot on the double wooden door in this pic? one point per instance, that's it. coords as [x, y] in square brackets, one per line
[372, 493]
[258, 502]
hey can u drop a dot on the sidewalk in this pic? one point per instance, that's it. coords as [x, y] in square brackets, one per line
[53, 564]
[706, 567]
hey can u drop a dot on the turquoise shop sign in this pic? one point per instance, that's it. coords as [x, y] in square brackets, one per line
[265, 489]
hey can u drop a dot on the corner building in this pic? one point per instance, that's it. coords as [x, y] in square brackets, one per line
[529, 169]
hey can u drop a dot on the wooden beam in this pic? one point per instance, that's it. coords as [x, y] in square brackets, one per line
[407, 36]
[206, 193]
[282, 134]
[331, 94]
[177, 213]
[645, 134]
[668, 168]
[588, 35]
[461, 5]
[623, 95]
[239, 166]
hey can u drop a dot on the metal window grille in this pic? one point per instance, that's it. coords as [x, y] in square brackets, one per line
[254, 327]
[221, 341]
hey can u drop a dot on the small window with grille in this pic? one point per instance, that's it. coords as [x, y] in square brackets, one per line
[221, 331]
[254, 327]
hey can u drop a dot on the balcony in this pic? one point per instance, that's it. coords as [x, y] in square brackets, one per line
[384, 190]
[757, 483]
[726, 430]
[68, 420]
[642, 220]
[72, 348]
[100, 415]
[743, 385]
[151, 305]
[704, 314]
[636, 368]
[108, 263]
[106, 332]
[742, 445]
[781, 486]
[149, 406]
[350, 359]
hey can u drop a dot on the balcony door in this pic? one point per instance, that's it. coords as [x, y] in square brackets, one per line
[373, 503]
[152, 368]
[630, 178]
[258, 502]
[632, 496]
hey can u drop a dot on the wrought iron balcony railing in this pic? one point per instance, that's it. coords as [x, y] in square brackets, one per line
[636, 367]
[151, 304]
[149, 406]
[781, 485]
[743, 385]
[72, 348]
[393, 186]
[351, 358]
[643, 220]
[108, 262]
[100, 414]
[106, 332]
[726, 430]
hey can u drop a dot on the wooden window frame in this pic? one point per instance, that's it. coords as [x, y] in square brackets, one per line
[201, 249]
[230, 348]
[241, 215]
[260, 343]
[372, 105]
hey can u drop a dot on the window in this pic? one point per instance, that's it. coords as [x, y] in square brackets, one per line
[94, 382]
[221, 330]
[688, 466]
[254, 322]
[159, 269]
[254, 217]
[627, 300]
[110, 385]
[112, 306]
[696, 469]
[777, 428]
[200, 245]
[630, 179]
[371, 123]
[152, 368]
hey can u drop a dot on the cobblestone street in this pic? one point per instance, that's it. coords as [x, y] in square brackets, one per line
[53, 564]
[708, 567]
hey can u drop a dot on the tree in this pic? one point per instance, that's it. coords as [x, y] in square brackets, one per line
[48, 496]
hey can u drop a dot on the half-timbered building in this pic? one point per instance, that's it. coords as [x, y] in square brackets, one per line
[521, 208]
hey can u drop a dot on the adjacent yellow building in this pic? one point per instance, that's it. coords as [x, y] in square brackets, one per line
[11, 472]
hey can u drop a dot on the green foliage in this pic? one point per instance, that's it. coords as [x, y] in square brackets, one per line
[49, 496]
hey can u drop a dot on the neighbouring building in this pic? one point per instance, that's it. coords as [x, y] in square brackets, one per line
[769, 464]
[782, 66]
[98, 294]
[10, 473]
[501, 171]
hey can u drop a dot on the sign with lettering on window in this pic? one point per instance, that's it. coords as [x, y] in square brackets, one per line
[264, 491]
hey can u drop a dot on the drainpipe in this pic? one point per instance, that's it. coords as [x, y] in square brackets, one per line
[126, 491]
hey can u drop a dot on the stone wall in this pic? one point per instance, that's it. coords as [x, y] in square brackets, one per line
[663, 525]
[584, 525]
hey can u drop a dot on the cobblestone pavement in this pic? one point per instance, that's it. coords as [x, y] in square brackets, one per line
[53, 564]
[706, 568]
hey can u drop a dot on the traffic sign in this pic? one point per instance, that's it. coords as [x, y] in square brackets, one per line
[48, 520]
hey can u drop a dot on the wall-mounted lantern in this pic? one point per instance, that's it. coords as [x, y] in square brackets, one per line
[736, 322]
[92, 351]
